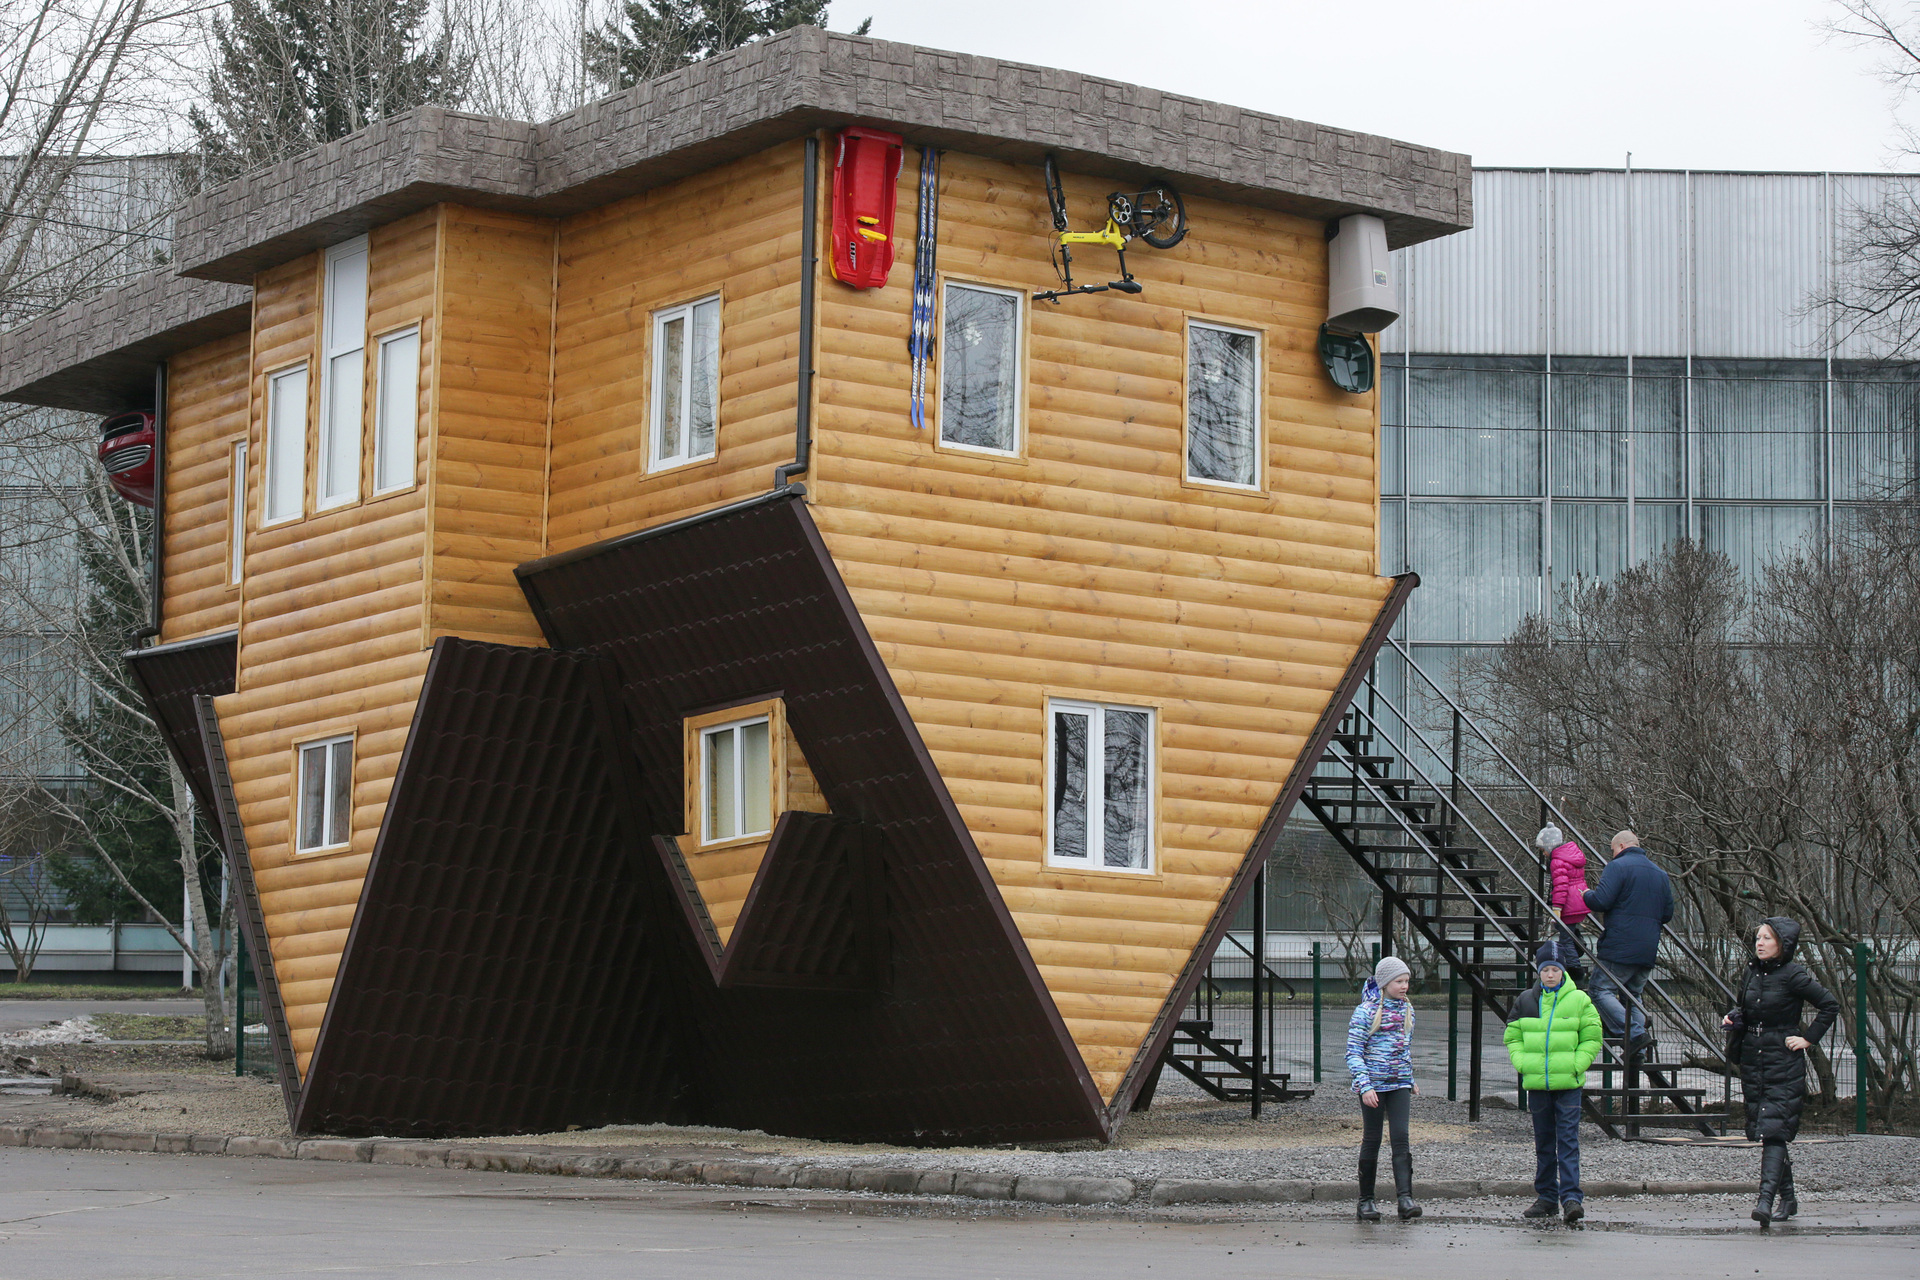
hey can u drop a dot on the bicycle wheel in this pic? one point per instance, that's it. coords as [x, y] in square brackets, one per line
[1159, 216]
[1056, 196]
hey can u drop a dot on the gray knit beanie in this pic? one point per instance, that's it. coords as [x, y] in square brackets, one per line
[1389, 968]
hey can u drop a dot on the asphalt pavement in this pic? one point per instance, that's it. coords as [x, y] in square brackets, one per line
[25, 1015]
[108, 1217]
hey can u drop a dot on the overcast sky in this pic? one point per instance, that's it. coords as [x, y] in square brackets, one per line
[1705, 84]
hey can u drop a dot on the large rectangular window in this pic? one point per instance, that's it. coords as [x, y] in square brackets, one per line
[326, 793]
[686, 383]
[1223, 405]
[343, 355]
[1474, 426]
[980, 368]
[1100, 786]
[286, 463]
[736, 780]
[396, 420]
[237, 512]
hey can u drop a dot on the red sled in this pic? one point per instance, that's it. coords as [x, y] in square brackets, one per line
[866, 174]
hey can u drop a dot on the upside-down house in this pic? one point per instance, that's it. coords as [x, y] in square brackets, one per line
[624, 696]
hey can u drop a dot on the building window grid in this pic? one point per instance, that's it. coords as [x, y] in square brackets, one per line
[1820, 494]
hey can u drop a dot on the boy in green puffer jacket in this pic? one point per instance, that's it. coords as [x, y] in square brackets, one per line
[1553, 1036]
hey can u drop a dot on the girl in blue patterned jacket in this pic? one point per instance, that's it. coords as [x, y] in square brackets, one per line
[1380, 1056]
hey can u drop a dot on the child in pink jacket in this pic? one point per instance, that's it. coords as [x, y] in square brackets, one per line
[1567, 864]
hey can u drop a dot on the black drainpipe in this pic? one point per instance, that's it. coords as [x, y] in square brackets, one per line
[809, 262]
[159, 503]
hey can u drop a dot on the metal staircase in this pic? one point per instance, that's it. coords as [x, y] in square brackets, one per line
[1433, 825]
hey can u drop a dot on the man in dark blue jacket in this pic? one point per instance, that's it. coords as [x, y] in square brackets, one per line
[1635, 898]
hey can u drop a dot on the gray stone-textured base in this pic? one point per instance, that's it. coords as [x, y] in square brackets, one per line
[1025, 1188]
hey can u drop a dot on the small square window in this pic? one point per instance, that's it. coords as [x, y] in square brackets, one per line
[1100, 786]
[686, 383]
[980, 369]
[326, 794]
[736, 780]
[1223, 405]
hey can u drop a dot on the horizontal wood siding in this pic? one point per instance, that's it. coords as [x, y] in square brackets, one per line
[206, 415]
[734, 230]
[331, 626]
[490, 462]
[1087, 567]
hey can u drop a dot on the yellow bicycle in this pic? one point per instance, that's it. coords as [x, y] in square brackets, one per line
[1156, 215]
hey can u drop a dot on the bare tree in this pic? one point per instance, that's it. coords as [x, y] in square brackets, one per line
[1873, 298]
[1764, 738]
[86, 82]
[24, 889]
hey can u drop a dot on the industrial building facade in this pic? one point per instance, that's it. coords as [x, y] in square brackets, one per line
[1610, 360]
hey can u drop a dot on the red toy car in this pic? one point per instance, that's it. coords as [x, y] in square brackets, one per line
[126, 451]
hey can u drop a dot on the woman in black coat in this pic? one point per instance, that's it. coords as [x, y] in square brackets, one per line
[1770, 1046]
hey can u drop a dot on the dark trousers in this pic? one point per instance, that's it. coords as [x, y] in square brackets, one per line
[1393, 1110]
[1556, 1143]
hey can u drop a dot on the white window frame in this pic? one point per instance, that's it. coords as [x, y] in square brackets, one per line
[237, 513]
[284, 433]
[1019, 370]
[707, 735]
[346, 282]
[1095, 859]
[656, 461]
[1259, 407]
[330, 779]
[388, 435]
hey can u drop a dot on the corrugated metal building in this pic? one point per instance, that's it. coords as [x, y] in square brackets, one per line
[1613, 359]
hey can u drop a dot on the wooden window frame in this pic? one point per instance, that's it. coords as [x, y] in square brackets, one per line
[1259, 337]
[329, 738]
[270, 456]
[1021, 357]
[332, 389]
[1093, 863]
[380, 346]
[236, 512]
[656, 384]
[773, 710]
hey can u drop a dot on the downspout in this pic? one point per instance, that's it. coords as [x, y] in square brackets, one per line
[159, 505]
[809, 265]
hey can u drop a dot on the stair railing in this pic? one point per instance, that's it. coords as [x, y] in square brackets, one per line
[1445, 798]
[1465, 718]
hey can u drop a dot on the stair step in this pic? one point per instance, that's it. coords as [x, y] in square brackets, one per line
[1647, 1091]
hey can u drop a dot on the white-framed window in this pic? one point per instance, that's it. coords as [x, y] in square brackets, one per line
[736, 780]
[325, 797]
[396, 419]
[1099, 785]
[286, 462]
[686, 383]
[1223, 405]
[237, 513]
[343, 363]
[980, 368]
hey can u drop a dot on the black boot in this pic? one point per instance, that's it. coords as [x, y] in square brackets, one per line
[1368, 1211]
[1403, 1184]
[1773, 1163]
[1788, 1204]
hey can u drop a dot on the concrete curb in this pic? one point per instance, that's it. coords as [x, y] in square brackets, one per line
[1022, 1188]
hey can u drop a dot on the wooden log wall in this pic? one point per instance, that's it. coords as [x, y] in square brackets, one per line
[490, 445]
[332, 618]
[206, 416]
[1087, 567]
[734, 230]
